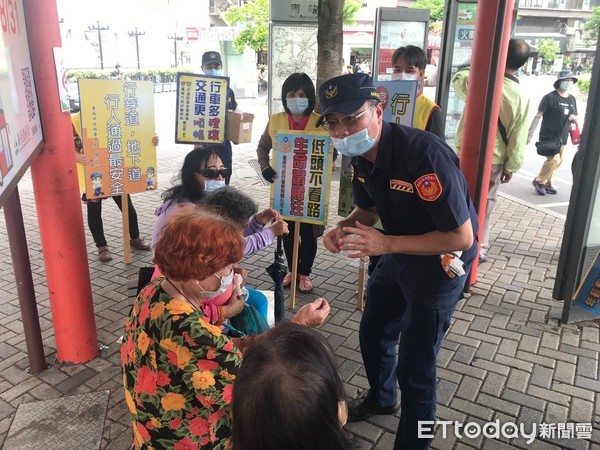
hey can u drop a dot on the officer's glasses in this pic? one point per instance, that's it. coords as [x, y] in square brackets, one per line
[346, 122]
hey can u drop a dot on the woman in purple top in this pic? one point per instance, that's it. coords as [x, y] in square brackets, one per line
[202, 172]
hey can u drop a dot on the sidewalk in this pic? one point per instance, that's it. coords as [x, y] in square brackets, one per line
[506, 356]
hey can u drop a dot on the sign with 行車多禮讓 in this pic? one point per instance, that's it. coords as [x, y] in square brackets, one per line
[117, 129]
[303, 163]
[201, 109]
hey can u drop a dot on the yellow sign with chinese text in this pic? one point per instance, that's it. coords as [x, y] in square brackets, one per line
[201, 109]
[117, 127]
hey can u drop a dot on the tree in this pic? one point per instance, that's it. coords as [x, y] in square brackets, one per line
[436, 8]
[593, 23]
[329, 41]
[254, 16]
[548, 49]
[351, 8]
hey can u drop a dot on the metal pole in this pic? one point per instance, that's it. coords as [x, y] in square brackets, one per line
[100, 46]
[137, 48]
[22, 268]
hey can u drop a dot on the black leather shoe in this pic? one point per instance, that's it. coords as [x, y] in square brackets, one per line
[363, 407]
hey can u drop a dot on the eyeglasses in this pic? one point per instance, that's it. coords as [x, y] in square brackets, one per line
[213, 174]
[347, 121]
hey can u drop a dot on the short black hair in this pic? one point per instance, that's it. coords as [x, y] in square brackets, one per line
[413, 56]
[231, 204]
[287, 393]
[518, 53]
[299, 81]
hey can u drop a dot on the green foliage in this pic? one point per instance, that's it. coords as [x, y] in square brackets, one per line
[584, 83]
[436, 8]
[351, 9]
[155, 75]
[593, 24]
[254, 17]
[548, 49]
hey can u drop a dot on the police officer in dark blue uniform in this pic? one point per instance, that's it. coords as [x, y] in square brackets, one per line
[411, 180]
[212, 65]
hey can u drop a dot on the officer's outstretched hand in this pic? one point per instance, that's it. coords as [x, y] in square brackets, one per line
[332, 237]
[367, 241]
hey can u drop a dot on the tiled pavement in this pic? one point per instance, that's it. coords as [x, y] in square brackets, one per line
[506, 356]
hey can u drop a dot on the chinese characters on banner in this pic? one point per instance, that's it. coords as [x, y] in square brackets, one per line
[303, 162]
[398, 101]
[201, 109]
[20, 127]
[117, 121]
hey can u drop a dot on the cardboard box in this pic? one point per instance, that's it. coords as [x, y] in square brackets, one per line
[239, 129]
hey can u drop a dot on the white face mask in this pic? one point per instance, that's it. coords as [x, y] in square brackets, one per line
[404, 76]
[566, 85]
[297, 105]
[225, 283]
[213, 185]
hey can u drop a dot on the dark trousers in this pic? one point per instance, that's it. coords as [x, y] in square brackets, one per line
[410, 301]
[94, 215]
[307, 249]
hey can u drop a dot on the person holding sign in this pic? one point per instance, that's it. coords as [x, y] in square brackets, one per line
[94, 205]
[298, 98]
[410, 179]
[213, 66]
[409, 63]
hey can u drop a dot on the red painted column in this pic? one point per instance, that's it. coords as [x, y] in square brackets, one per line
[58, 200]
[490, 45]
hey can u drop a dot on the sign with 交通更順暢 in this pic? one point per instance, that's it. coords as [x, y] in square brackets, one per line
[117, 128]
[201, 109]
[303, 163]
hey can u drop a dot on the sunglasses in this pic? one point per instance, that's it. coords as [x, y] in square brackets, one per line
[213, 174]
[347, 122]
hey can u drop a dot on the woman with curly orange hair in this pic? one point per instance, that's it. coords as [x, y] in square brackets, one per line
[178, 368]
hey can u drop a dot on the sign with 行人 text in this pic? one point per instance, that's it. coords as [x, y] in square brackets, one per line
[303, 163]
[117, 128]
[201, 109]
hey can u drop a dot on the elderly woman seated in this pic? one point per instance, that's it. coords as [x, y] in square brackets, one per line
[289, 395]
[178, 368]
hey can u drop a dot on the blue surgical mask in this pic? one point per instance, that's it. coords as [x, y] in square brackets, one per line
[297, 105]
[213, 185]
[213, 72]
[354, 145]
[566, 85]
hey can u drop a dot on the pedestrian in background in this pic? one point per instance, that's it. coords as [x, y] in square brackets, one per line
[213, 66]
[511, 135]
[558, 109]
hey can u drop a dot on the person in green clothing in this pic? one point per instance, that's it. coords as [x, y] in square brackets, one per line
[511, 136]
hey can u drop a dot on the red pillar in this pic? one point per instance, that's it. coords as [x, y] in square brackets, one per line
[490, 45]
[58, 200]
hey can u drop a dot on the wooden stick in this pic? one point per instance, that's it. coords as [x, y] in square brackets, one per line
[125, 214]
[294, 265]
[360, 294]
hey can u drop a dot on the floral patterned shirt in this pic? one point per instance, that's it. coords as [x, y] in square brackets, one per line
[178, 373]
